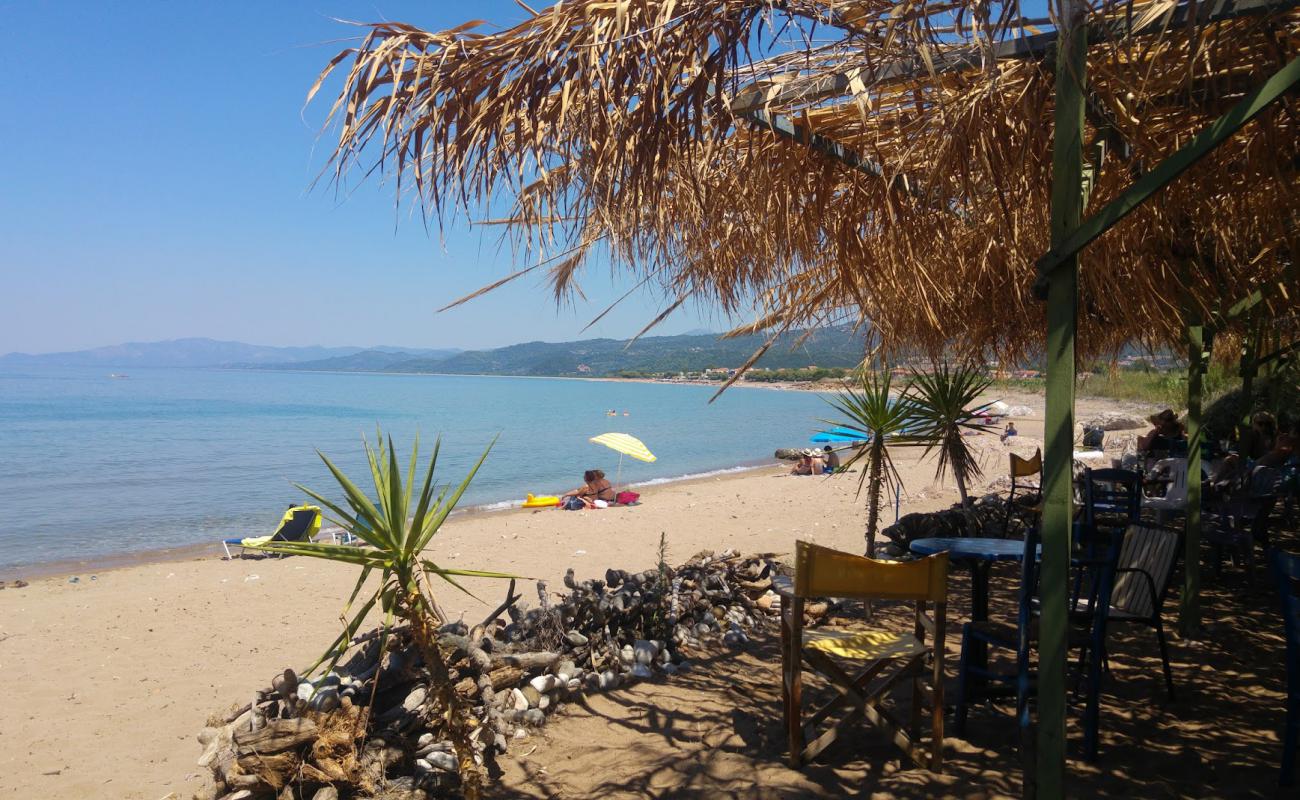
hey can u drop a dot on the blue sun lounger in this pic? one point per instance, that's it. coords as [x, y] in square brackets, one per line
[299, 524]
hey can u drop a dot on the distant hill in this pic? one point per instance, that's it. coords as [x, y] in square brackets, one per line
[836, 347]
[197, 352]
[373, 360]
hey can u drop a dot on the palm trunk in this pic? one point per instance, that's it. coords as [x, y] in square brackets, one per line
[958, 468]
[425, 634]
[873, 492]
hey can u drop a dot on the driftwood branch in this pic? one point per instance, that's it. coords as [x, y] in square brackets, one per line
[511, 599]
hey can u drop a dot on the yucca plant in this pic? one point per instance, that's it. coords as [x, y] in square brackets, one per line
[398, 526]
[943, 409]
[867, 408]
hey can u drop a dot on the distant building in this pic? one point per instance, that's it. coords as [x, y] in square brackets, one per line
[584, 368]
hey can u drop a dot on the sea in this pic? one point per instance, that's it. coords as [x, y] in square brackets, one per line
[95, 467]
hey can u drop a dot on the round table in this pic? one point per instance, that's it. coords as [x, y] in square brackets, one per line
[977, 553]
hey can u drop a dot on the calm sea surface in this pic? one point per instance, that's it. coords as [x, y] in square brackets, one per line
[91, 466]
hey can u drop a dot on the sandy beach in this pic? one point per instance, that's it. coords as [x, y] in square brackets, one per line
[113, 672]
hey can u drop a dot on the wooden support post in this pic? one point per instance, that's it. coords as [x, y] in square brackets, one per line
[1249, 368]
[1048, 778]
[1199, 342]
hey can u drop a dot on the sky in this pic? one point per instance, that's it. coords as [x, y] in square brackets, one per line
[156, 170]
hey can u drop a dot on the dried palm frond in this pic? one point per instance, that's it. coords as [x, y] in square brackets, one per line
[647, 125]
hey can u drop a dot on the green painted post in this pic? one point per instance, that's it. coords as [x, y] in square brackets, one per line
[1249, 368]
[1048, 780]
[1199, 342]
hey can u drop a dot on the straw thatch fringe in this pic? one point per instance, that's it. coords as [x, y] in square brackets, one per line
[613, 122]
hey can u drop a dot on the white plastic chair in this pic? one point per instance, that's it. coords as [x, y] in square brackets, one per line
[1175, 496]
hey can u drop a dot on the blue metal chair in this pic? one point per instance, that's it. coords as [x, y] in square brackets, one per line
[1286, 569]
[1087, 634]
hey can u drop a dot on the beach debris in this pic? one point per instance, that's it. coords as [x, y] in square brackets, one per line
[372, 724]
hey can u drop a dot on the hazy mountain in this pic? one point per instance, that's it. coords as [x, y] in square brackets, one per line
[596, 357]
[196, 352]
[374, 360]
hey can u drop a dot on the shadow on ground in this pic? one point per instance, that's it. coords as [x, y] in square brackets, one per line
[716, 731]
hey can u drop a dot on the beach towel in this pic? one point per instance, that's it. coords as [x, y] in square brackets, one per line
[627, 498]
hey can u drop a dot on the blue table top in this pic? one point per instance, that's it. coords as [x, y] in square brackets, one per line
[971, 547]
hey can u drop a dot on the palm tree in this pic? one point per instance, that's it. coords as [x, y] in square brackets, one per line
[942, 403]
[868, 409]
[397, 534]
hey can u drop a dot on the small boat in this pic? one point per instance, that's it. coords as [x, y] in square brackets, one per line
[118, 375]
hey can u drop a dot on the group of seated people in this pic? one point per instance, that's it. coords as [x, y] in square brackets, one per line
[817, 462]
[1267, 442]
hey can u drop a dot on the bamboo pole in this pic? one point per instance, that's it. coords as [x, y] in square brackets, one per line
[1048, 780]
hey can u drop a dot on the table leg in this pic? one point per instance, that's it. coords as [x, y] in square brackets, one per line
[979, 608]
[979, 590]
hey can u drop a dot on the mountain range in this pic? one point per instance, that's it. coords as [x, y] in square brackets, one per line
[197, 352]
[692, 352]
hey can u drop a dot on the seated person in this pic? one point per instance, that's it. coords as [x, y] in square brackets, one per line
[831, 458]
[1257, 440]
[1256, 444]
[810, 463]
[1009, 431]
[1283, 446]
[595, 487]
[1167, 430]
[803, 466]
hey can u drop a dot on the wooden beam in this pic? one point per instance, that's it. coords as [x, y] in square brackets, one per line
[785, 127]
[1218, 132]
[813, 89]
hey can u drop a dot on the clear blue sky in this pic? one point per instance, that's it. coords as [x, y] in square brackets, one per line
[155, 166]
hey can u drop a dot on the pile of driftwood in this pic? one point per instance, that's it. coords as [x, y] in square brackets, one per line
[371, 726]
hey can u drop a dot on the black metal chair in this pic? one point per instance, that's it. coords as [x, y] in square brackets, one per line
[1144, 570]
[1085, 633]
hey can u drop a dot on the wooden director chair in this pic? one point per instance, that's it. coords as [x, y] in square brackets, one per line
[889, 657]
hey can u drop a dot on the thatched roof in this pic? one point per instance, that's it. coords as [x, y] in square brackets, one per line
[650, 131]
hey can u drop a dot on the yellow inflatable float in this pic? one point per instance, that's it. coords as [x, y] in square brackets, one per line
[533, 501]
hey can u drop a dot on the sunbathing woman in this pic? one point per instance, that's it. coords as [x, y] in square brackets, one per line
[595, 487]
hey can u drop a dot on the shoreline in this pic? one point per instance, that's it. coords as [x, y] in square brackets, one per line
[794, 386]
[77, 567]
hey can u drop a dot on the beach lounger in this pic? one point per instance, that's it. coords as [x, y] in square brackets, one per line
[299, 524]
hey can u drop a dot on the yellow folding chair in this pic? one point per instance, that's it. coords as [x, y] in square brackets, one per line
[823, 572]
[1021, 470]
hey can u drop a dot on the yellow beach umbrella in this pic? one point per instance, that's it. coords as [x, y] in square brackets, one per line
[624, 445]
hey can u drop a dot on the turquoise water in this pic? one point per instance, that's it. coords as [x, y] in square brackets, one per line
[91, 466]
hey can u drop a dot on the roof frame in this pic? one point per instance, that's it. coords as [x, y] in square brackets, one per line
[814, 89]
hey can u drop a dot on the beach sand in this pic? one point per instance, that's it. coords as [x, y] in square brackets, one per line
[109, 678]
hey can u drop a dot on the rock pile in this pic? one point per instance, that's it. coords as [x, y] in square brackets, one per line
[371, 725]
